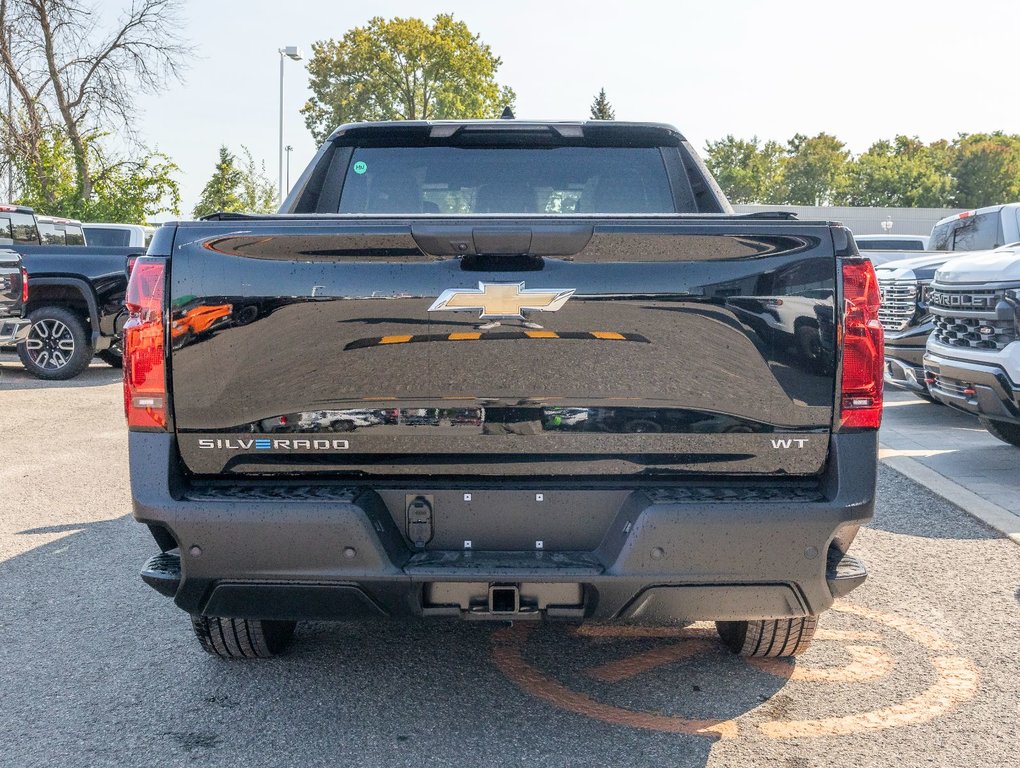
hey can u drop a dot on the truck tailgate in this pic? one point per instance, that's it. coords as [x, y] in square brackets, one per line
[647, 346]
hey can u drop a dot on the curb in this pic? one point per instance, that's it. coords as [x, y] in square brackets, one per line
[989, 513]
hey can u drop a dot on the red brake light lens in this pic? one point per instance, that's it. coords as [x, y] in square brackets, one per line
[143, 340]
[863, 347]
[24, 286]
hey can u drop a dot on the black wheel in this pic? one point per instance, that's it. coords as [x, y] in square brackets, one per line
[242, 638]
[1006, 431]
[768, 637]
[112, 357]
[58, 346]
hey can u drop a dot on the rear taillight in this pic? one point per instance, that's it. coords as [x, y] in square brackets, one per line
[143, 340]
[129, 267]
[863, 348]
[24, 286]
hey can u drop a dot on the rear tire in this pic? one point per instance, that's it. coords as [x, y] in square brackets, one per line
[242, 638]
[768, 638]
[58, 346]
[1006, 431]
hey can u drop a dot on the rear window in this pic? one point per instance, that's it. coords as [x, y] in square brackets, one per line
[462, 180]
[112, 238]
[974, 233]
[20, 227]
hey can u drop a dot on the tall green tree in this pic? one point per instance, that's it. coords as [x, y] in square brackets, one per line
[747, 170]
[236, 187]
[220, 193]
[403, 69]
[70, 73]
[601, 109]
[815, 171]
[258, 191]
[987, 169]
[904, 172]
[128, 191]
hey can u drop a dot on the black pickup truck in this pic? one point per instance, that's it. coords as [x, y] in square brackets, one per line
[77, 300]
[13, 296]
[503, 370]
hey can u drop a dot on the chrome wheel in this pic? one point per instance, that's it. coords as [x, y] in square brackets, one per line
[50, 344]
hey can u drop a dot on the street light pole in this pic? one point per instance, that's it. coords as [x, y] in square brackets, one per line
[294, 53]
[288, 149]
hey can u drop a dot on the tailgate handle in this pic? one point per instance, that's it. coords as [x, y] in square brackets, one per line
[559, 239]
[502, 242]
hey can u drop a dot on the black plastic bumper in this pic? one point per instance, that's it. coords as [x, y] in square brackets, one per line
[665, 556]
[978, 388]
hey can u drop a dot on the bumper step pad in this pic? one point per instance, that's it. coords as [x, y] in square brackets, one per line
[845, 574]
[162, 572]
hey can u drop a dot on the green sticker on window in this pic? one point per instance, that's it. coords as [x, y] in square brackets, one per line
[360, 167]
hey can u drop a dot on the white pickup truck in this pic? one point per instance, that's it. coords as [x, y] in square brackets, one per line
[972, 359]
[905, 285]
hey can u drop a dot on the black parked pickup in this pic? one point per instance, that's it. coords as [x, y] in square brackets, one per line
[503, 370]
[77, 300]
[13, 296]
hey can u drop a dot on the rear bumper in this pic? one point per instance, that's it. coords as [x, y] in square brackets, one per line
[666, 555]
[14, 330]
[981, 388]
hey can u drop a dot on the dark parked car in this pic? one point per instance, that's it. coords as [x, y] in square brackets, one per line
[13, 294]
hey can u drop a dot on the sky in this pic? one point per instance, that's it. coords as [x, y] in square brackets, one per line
[862, 71]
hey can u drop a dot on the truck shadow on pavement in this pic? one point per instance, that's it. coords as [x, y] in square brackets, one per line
[108, 670]
[98, 666]
[14, 376]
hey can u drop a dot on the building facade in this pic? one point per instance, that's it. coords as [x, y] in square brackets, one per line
[865, 221]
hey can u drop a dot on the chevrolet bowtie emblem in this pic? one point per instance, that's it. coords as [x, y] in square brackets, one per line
[495, 300]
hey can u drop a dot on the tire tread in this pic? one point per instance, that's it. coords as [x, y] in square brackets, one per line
[242, 638]
[768, 638]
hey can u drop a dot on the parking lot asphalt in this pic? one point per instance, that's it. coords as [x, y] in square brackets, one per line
[943, 448]
[916, 668]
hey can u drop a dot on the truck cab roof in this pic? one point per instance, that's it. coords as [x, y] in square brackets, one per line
[12, 208]
[978, 212]
[528, 130]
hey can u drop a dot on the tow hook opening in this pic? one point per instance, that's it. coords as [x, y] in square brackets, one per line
[504, 598]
